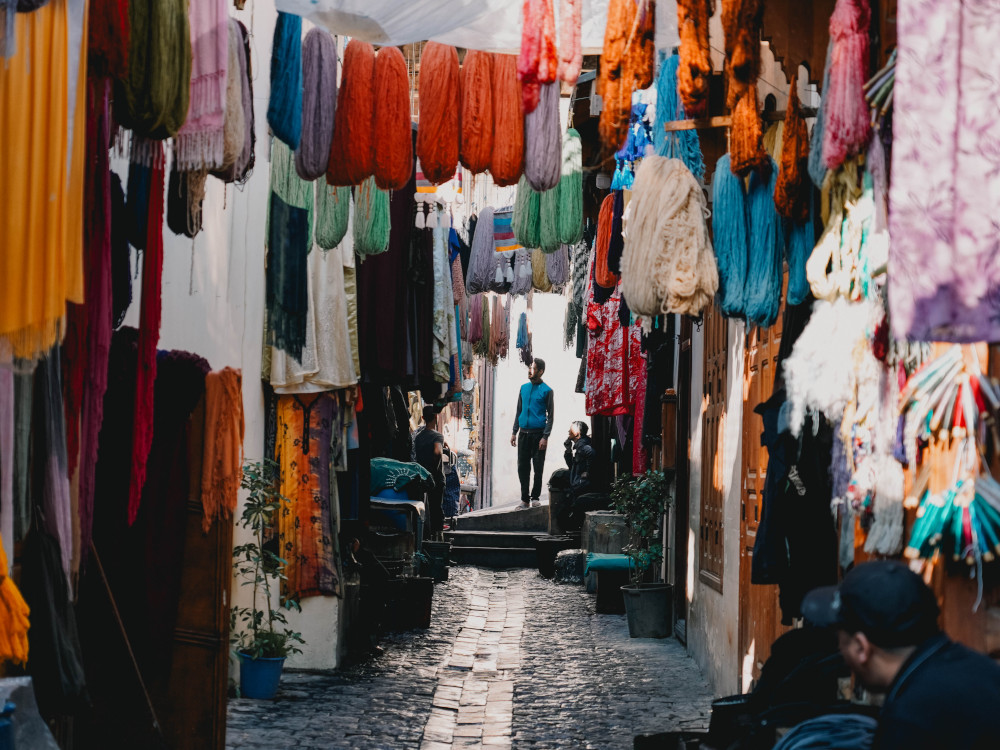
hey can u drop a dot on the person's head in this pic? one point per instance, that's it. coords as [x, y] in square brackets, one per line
[578, 430]
[882, 611]
[536, 369]
[430, 417]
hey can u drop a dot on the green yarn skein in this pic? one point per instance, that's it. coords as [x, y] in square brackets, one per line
[569, 212]
[526, 220]
[371, 219]
[333, 205]
[549, 220]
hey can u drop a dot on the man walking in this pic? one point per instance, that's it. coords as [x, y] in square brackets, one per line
[428, 449]
[532, 426]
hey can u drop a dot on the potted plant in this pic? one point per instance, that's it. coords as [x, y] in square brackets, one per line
[260, 633]
[642, 501]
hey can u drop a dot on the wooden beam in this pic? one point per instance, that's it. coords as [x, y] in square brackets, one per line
[726, 121]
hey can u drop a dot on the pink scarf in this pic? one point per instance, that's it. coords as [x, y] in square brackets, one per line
[200, 143]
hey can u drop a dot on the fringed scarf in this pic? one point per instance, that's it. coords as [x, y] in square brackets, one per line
[222, 465]
[287, 287]
[149, 335]
[200, 143]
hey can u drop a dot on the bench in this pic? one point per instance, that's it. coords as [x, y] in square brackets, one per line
[612, 572]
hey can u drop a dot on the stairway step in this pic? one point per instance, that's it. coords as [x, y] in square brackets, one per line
[463, 538]
[506, 518]
[495, 557]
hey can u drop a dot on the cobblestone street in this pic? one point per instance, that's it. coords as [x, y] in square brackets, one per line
[511, 661]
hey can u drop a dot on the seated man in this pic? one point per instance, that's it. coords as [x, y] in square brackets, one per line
[937, 693]
[579, 457]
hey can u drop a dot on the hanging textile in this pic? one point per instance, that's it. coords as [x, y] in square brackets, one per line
[942, 265]
[539, 273]
[351, 296]
[222, 463]
[121, 258]
[6, 456]
[326, 362]
[333, 207]
[319, 104]
[627, 62]
[199, 143]
[607, 360]
[108, 37]
[149, 332]
[284, 110]
[157, 88]
[235, 117]
[681, 144]
[538, 62]
[42, 160]
[239, 170]
[695, 64]
[49, 449]
[307, 533]
[847, 125]
[445, 346]
[638, 374]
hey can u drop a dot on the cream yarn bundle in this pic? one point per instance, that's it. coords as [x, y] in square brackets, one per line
[668, 265]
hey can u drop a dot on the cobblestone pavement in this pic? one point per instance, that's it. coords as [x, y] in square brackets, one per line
[511, 661]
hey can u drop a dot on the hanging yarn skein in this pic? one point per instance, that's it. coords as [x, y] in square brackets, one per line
[613, 82]
[393, 162]
[527, 215]
[284, 110]
[682, 144]
[477, 111]
[746, 142]
[157, 86]
[667, 264]
[605, 221]
[847, 125]
[570, 51]
[538, 62]
[333, 206]
[793, 190]
[543, 141]
[730, 230]
[371, 219]
[765, 263]
[548, 221]
[235, 120]
[507, 159]
[319, 103]
[441, 93]
[569, 211]
[557, 267]
[741, 26]
[539, 273]
[482, 258]
[695, 66]
[352, 151]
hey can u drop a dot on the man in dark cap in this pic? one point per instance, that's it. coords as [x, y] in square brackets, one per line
[938, 694]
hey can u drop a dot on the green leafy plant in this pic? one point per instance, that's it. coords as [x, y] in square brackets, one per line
[261, 631]
[642, 501]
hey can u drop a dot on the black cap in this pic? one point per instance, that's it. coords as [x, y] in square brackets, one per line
[883, 599]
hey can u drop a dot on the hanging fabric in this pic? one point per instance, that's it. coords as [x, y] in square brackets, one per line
[49, 434]
[234, 128]
[793, 191]
[847, 123]
[442, 95]
[222, 463]
[603, 275]
[149, 334]
[557, 267]
[526, 219]
[108, 37]
[199, 142]
[13, 617]
[121, 260]
[539, 274]
[319, 103]
[548, 220]
[284, 110]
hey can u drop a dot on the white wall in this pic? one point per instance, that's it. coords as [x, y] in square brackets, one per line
[213, 305]
[561, 368]
[713, 618]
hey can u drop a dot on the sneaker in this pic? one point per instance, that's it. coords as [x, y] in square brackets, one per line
[523, 506]
[535, 503]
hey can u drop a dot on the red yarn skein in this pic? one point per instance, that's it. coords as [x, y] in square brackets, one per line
[352, 150]
[477, 111]
[440, 94]
[393, 133]
[507, 161]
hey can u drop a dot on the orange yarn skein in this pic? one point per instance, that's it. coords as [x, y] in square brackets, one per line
[793, 189]
[628, 62]
[695, 66]
[602, 274]
[352, 150]
[477, 111]
[440, 94]
[507, 162]
[393, 131]
[746, 137]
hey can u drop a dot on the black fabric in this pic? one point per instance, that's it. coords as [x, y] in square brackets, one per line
[402, 443]
[121, 258]
[179, 216]
[793, 322]
[572, 514]
[530, 457]
[286, 281]
[945, 695]
[579, 457]
[659, 347]
[796, 544]
[54, 659]
[139, 178]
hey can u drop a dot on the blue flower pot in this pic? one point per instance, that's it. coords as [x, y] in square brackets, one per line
[259, 678]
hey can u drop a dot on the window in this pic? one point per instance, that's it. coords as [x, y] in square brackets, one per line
[712, 520]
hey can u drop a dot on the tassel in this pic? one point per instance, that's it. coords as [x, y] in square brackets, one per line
[420, 223]
[432, 221]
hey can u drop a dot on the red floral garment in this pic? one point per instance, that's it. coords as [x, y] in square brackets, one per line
[637, 391]
[607, 360]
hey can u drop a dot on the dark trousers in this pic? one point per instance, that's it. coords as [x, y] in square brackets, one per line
[529, 456]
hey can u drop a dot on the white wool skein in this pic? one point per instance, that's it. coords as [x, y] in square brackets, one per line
[668, 265]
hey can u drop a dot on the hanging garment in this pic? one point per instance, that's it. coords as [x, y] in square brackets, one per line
[222, 463]
[445, 345]
[42, 156]
[943, 265]
[326, 362]
[607, 360]
[199, 143]
[307, 533]
[637, 375]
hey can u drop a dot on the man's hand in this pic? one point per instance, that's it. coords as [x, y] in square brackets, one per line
[543, 444]
[513, 440]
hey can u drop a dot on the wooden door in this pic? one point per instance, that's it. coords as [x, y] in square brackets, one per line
[760, 618]
[683, 464]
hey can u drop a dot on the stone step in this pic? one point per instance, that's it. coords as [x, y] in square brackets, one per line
[506, 518]
[463, 538]
[495, 557]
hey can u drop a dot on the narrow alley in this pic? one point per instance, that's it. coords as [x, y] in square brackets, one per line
[511, 660]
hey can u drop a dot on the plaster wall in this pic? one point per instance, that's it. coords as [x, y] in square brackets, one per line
[213, 305]
[713, 617]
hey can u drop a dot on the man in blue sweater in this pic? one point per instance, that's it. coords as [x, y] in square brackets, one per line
[532, 426]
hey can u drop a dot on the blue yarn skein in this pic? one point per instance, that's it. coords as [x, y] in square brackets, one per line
[801, 241]
[522, 331]
[730, 232]
[684, 144]
[284, 110]
[767, 244]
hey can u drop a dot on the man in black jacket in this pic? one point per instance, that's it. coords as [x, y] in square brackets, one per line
[938, 694]
[579, 457]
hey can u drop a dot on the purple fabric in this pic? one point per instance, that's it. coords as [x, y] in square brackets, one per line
[944, 270]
